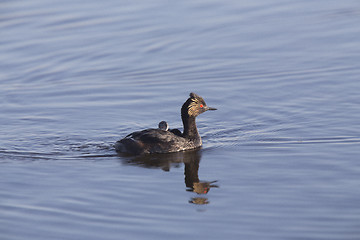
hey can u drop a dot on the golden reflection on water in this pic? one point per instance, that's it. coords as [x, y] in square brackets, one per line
[191, 160]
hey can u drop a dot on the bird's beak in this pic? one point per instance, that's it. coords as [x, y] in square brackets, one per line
[210, 108]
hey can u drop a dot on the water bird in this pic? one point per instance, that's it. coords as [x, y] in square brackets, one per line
[159, 140]
[163, 125]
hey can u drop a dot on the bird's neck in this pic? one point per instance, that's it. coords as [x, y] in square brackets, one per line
[190, 129]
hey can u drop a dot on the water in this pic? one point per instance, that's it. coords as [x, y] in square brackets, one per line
[280, 156]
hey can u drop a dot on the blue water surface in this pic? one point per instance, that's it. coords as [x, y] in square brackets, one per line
[279, 157]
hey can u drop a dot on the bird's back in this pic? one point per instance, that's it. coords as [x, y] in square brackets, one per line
[154, 141]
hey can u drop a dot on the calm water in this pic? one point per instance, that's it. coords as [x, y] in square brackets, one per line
[283, 147]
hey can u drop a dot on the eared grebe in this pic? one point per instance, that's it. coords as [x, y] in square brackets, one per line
[162, 141]
[163, 125]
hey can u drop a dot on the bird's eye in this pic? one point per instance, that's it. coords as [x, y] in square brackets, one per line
[201, 105]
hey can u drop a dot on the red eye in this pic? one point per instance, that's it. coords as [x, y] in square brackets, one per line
[201, 105]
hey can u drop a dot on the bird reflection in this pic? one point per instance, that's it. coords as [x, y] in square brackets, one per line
[191, 160]
[192, 180]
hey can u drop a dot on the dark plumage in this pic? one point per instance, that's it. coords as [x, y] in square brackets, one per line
[163, 141]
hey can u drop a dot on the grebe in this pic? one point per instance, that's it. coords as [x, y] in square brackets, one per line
[162, 141]
[163, 125]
